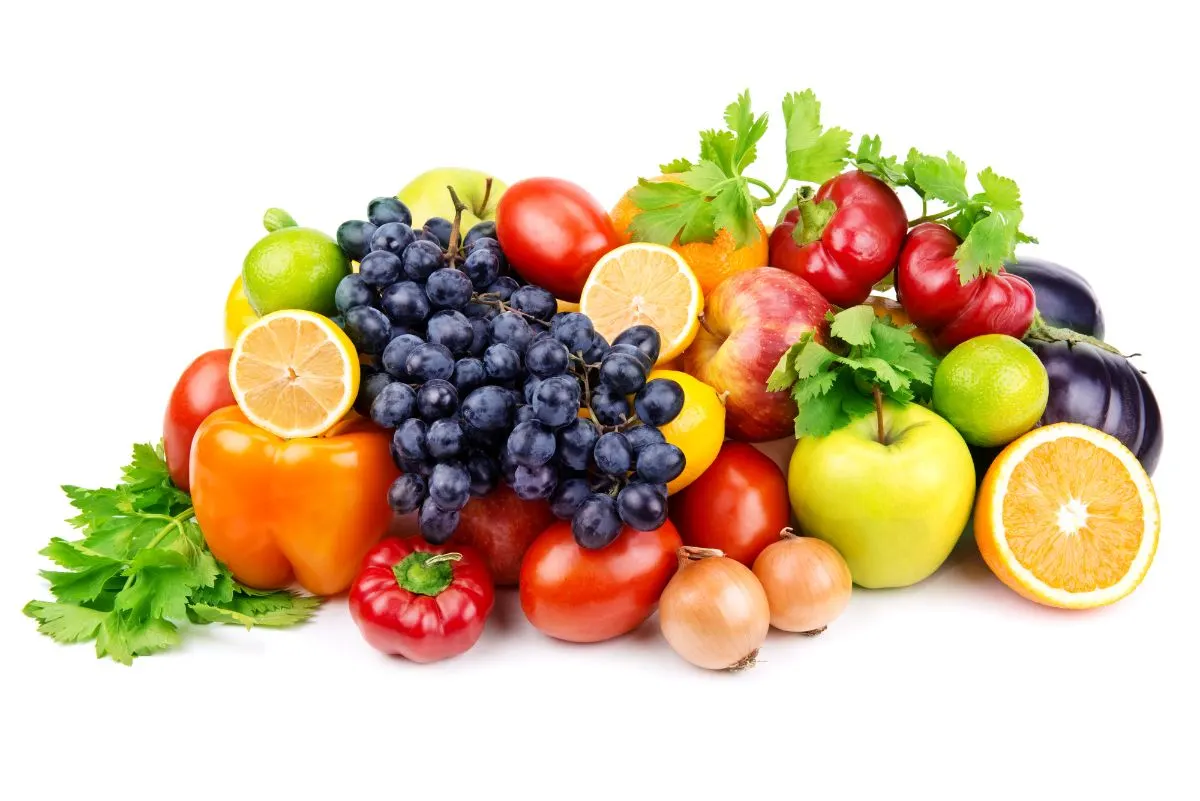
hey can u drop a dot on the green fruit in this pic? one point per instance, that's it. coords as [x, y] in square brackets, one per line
[294, 268]
[992, 388]
[426, 196]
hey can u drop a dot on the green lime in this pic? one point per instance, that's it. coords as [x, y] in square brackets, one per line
[991, 388]
[294, 268]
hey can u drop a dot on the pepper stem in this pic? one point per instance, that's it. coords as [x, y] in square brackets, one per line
[423, 573]
[1041, 331]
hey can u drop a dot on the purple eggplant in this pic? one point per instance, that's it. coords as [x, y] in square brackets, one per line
[1064, 297]
[1092, 386]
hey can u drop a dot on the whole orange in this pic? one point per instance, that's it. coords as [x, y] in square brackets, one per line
[712, 262]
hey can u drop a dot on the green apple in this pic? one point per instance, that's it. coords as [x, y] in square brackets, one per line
[426, 195]
[894, 509]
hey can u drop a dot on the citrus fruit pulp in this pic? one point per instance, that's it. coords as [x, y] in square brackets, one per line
[992, 388]
[647, 284]
[294, 373]
[698, 430]
[1067, 517]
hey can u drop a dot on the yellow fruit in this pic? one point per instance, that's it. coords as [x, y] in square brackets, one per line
[238, 313]
[698, 430]
[648, 284]
[1066, 516]
[294, 373]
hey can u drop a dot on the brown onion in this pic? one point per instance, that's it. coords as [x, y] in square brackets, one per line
[714, 612]
[806, 580]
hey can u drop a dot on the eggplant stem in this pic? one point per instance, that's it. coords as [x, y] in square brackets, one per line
[1041, 331]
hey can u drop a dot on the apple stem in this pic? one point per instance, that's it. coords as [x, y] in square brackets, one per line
[455, 234]
[704, 325]
[879, 414]
[487, 194]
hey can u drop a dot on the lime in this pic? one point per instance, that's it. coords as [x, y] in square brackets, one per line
[991, 388]
[294, 268]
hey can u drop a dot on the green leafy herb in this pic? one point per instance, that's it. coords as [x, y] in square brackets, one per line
[865, 359]
[813, 153]
[141, 568]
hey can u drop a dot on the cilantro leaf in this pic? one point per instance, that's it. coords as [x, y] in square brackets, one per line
[942, 179]
[854, 325]
[677, 165]
[276, 609]
[733, 209]
[813, 154]
[870, 159]
[813, 359]
[719, 147]
[67, 623]
[988, 245]
[704, 177]
[746, 127]
[819, 416]
[999, 192]
[81, 586]
[784, 374]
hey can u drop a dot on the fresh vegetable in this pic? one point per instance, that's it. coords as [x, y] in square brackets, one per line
[584, 595]
[1104, 390]
[1064, 297]
[421, 601]
[140, 569]
[553, 232]
[806, 580]
[501, 527]
[714, 612]
[844, 239]
[202, 389]
[738, 505]
[279, 510]
[991, 388]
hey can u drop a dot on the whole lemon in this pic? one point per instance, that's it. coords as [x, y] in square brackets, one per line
[699, 428]
[238, 312]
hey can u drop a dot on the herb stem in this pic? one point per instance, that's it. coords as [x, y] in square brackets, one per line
[940, 215]
[773, 195]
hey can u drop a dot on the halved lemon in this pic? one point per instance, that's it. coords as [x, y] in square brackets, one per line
[294, 373]
[1067, 517]
[642, 283]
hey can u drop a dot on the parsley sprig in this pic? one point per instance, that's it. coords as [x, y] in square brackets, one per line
[141, 568]
[865, 359]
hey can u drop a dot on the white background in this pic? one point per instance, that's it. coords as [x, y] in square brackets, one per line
[141, 147]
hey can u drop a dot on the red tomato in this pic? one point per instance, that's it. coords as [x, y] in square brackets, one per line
[201, 390]
[738, 505]
[501, 526]
[583, 595]
[553, 232]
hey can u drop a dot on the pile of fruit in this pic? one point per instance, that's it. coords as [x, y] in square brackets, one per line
[483, 385]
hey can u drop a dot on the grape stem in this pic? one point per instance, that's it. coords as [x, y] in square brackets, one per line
[455, 232]
[493, 300]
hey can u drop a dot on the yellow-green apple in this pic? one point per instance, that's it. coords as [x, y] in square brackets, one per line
[894, 509]
[426, 195]
[749, 320]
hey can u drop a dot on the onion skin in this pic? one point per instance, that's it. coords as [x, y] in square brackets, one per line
[714, 612]
[807, 583]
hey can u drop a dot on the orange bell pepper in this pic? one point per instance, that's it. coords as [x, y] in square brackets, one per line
[308, 509]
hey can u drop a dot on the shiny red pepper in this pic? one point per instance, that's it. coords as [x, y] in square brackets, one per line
[929, 288]
[420, 601]
[844, 240]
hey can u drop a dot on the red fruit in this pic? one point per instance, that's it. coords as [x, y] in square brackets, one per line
[201, 390]
[501, 526]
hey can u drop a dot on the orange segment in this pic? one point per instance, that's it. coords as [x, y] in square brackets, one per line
[294, 373]
[1067, 516]
[647, 284]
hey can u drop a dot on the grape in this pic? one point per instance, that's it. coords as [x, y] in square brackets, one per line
[480, 338]
[547, 357]
[391, 238]
[439, 227]
[501, 363]
[405, 303]
[445, 439]
[369, 389]
[597, 350]
[659, 402]
[482, 266]
[352, 291]
[396, 354]
[406, 493]
[508, 467]
[509, 328]
[523, 414]
[428, 361]
[450, 485]
[576, 441]
[354, 237]
[596, 523]
[485, 229]
[534, 301]
[613, 454]
[420, 259]
[488, 408]
[531, 444]
[480, 311]
[436, 399]
[567, 497]
[642, 506]
[411, 440]
[452, 329]
[436, 524]
[611, 407]
[641, 436]
[534, 483]
[503, 286]
[556, 400]
[383, 210]
[529, 388]
[642, 337]
[428, 236]
[418, 467]
[469, 375]
[622, 372]
[379, 269]
[630, 350]
[448, 288]
[393, 405]
[575, 331]
[369, 329]
[414, 330]
[484, 472]
[659, 463]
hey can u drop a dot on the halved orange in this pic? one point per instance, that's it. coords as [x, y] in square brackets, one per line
[1066, 516]
[642, 283]
[294, 373]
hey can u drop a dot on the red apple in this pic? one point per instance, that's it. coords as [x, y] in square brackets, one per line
[502, 526]
[750, 319]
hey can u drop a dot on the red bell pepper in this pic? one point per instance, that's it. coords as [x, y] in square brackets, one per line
[843, 240]
[929, 288]
[420, 601]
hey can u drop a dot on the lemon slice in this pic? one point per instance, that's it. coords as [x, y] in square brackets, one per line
[647, 284]
[294, 373]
